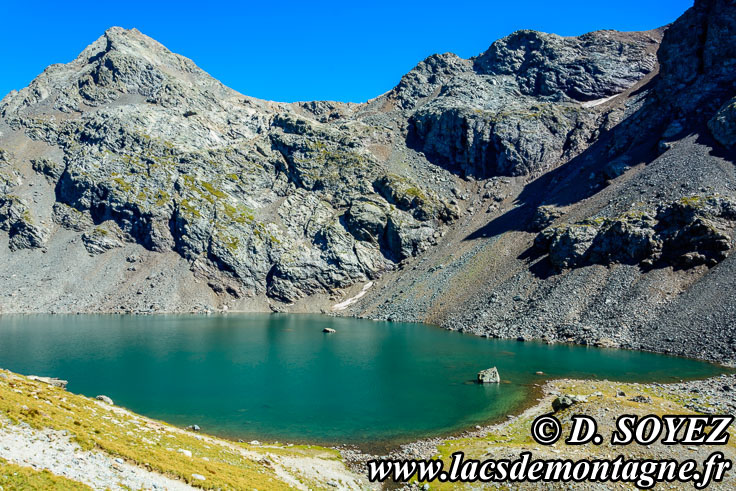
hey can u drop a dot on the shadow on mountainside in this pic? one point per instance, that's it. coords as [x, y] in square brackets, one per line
[641, 138]
[569, 184]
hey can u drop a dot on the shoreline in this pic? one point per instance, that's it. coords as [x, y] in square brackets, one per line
[709, 395]
[536, 393]
[728, 364]
[533, 389]
[429, 448]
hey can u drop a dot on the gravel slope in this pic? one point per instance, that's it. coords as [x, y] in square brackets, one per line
[53, 450]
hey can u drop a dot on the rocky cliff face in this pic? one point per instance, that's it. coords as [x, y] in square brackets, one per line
[516, 108]
[692, 231]
[291, 200]
[257, 197]
[134, 169]
[626, 238]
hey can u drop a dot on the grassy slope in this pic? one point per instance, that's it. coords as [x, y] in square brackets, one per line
[154, 445]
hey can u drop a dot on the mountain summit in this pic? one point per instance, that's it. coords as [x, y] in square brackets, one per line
[563, 188]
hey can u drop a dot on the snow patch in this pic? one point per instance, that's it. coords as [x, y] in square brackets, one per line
[352, 300]
[598, 102]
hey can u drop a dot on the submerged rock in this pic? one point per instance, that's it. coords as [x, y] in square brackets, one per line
[489, 376]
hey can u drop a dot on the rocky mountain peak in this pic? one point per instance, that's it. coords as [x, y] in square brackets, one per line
[588, 67]
[121, 66]
[427, 78]
[118, 43]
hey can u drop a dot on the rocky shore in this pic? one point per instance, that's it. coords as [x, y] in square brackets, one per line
[33, 435]
[602, 399]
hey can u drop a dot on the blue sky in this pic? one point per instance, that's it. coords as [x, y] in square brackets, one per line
[289, 51]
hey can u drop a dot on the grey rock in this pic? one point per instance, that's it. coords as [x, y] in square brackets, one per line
[51, 169]
[102, 238]
[543, 218]
[56, 382]
[408, 196]
[692, 231]
[71, 218]
[16, 218]
[562, 402]
[104, 399]
[366, 219]
[616, 167]
[407, 237]
[723, 124]
[10, 176]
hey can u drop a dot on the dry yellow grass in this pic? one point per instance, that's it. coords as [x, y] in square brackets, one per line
[18, 477]
[509, 439]
[155, 445]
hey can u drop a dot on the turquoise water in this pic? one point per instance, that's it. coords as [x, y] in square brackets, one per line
[278, 377]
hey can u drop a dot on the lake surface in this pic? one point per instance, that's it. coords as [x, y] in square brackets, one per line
[278, 377]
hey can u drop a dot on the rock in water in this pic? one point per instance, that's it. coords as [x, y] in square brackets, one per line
[489, 376]
[105, 399]
[328, 330]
